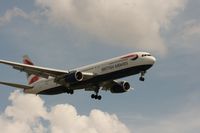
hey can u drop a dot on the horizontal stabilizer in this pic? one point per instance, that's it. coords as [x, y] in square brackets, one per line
[17, 85]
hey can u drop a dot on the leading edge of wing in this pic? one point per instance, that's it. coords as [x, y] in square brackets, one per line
[20, 86]
[34, 69]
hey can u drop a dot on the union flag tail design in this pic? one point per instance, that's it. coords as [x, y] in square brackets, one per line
[30, 77]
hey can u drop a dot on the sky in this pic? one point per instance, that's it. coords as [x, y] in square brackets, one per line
[66, 34]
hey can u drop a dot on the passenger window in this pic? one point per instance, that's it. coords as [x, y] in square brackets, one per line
[145, 55]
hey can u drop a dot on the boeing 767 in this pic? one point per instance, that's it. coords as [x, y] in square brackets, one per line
[99, 76]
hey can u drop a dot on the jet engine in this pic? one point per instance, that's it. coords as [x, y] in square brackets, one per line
[120, 87]
[70, 78]
[74, 76]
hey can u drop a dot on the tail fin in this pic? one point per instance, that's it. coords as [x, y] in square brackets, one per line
[30, 77]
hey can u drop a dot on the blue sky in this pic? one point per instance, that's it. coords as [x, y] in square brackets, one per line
[65, 35]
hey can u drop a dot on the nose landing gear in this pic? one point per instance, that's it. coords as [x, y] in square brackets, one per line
[142, 76]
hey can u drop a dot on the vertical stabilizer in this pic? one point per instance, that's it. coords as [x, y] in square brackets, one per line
[30, 77]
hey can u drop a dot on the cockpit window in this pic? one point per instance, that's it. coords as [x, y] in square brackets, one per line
[143, 55]
[131, 56]
[134, 57]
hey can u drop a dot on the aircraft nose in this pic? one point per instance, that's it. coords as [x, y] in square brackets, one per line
[153, 59]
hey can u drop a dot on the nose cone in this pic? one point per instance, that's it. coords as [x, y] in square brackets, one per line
[153, 59]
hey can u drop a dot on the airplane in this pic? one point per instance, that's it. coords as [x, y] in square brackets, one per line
[103, 75]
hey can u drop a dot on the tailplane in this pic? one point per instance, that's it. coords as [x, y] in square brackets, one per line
[30, 77]
[20, 86]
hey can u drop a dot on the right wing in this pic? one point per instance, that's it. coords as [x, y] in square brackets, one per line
[17, 85]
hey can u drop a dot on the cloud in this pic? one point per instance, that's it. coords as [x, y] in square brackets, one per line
[34, 16]
[191, 29]
[188, 36]
[129, 23]
[134, 24]
[28, 113]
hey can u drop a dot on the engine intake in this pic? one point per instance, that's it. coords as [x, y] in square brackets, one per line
[120, 87]
[73, 77]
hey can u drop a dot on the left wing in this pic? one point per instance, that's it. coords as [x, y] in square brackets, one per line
[41, 71]
[36, 70]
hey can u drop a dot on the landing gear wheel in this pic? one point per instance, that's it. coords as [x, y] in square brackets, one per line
[142, 78]
[92, 96]
[99, 97]
[70, 91]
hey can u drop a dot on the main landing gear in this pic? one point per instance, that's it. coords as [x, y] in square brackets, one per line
[69, 91]
[93, 96]
[142, 76]
[96, 96]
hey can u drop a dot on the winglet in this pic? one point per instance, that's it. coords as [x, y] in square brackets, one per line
[27, 60]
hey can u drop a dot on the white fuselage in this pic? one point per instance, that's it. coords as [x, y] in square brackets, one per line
[111, 69]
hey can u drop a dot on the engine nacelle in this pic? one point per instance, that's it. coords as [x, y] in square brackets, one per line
[73, 77]
[120, 87]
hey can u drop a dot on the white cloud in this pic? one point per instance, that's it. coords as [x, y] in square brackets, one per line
[135, 24]
[17, 12]
[130, 23]
[27, 113]
[188, 36]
